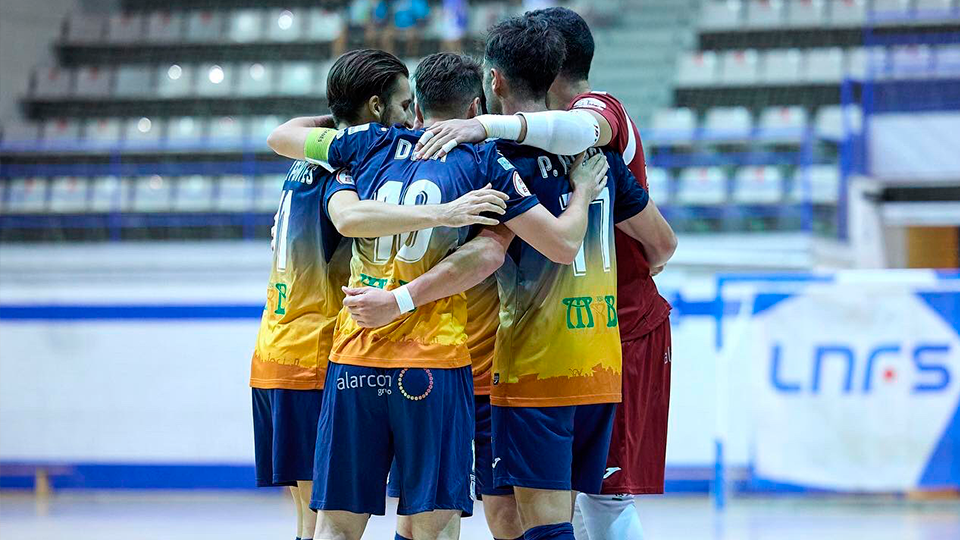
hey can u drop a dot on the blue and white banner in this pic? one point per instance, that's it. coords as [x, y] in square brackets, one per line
[855, 379]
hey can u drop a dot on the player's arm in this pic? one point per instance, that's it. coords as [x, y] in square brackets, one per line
[653, 232]
[355, 218]
[558, 132]
[463, 269]
[559, 237]
[288, 138]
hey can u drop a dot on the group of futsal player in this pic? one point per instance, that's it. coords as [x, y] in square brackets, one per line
[451, 317]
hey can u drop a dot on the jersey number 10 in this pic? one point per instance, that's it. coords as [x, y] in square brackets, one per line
[412, 245]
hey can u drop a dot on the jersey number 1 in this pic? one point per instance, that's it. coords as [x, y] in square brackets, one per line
[412, 245]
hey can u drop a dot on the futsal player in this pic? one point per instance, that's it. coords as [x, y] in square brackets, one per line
[557, 364]
[638, 449]
[311, 264]
[404, 390]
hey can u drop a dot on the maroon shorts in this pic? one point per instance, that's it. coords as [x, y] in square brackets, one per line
[638, 446]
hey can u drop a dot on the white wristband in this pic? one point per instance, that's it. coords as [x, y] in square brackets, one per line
[500, 126]
[404, 300]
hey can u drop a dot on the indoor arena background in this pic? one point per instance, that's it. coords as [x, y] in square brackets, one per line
[807, 153]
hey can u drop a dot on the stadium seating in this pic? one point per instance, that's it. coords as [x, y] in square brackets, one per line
[52, 82]
[721, 15]
[21, 132]
[287, 24]
[204, 27]
[846, 13]
[947, 60]
[142, 133]
[102, 132]
[134, 81]
[824, 185]
[829, 122]
[297, 78]
[164, 27]
[194, 194]
[697, 69]
[267, 192]
[68, 194]
[758, 186]
[728, 123]
[106, 194]
[765, 14]
[255, 79]
[26, 196]
[783, 66]
[235, 194]
[185, 131]
[84, 29]
[806, 13]
[324, 25]
[175, 80]
[911, 61]
[125, 28]
[93, 82]
[215, 79]
[702, 186]
[258, 128]
[60, 131]
[226, 132]
[783, 124]
[152, 194]
[823, 66]
[246, 26]
[675, 125]
[739, 68]
[658, 183]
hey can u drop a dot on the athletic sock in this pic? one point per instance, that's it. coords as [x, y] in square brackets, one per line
[610, 517]
[398, 537]
[558, 531]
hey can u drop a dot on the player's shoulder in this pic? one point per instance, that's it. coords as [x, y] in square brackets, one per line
[596, 100]
[302, 174]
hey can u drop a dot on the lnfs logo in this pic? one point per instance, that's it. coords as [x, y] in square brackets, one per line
[922, 365]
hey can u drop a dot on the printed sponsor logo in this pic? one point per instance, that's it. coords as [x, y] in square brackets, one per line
[495, 461]
[382, 383]
[581, 311]
[344, 177]
[416, 388]
[496, 379]
[610, 472]
[519, 185]
[505, 163]
[589, 103]
[357, 129]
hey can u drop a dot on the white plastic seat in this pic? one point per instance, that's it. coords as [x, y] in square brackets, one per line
[194, 194]
[255, 79]
[85, 29]
[134, 81]
[125, 28]
[890, 9]
[761, 185]
[947, 59]
[325, 25]
[829, 122]
[235, 194]
[783, 124]
[61, 131]
[22, 133]
[731, 123]
[823, 66]
[783, 66]
[108, 194]
[697, 69]
[142, 132]
[268, 189]
[52, 82]
[26, 196]
[658, 185]
[702, 186]
[848, 13]
[152, 194]
[214, 79]
[863, 63]
[103, 132]
[246, 26]
[185, 131]
[164, 27]
[287, 24]
[911, 61]
[93, 81]
[68, 194]
[297, 78]
[765, 14]
[721, 15]
[824, 185]
[259, 128]
[175, 80]
[226, 132]
[204, 27]
[675, 125]
[806, 13]
[739, 68]
[934, 9]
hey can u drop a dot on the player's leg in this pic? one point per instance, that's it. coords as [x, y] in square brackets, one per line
[404, 528]
[353, 452]
[499, 505]
[533, 452]
[295, 494]
[610, 516]
[431, 417]
[296, 414]
[593, 426]
[308, 518]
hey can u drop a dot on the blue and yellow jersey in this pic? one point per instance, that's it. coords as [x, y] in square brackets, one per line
[433, 335]
[483, 318]
[310, 264]
[558, 343]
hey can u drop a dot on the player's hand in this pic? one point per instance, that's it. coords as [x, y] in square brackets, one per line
[656, 270]
[467, 209]
[590, 174]
[371, 307]
[441, 138]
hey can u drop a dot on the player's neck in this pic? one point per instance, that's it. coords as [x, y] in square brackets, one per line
[568, 89]
[343, 125]
[513, 106]
[431, 120]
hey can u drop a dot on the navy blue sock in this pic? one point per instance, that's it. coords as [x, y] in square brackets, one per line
[398, 537]
[558, 531]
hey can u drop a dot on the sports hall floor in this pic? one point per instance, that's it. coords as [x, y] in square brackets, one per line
[262, 516]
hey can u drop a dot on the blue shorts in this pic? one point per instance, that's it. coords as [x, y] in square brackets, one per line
[559, 448]
[285, 434]
[423, 417]
[482, 455]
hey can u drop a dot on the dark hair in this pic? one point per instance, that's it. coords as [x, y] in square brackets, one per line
[447, 82]
[576, 34]
[357, 76]
[528, 51]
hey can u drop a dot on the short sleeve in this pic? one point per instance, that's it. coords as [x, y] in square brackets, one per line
[340, 180]
[630, 198]
[612, 111]
[347, 148]
[504, 177]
